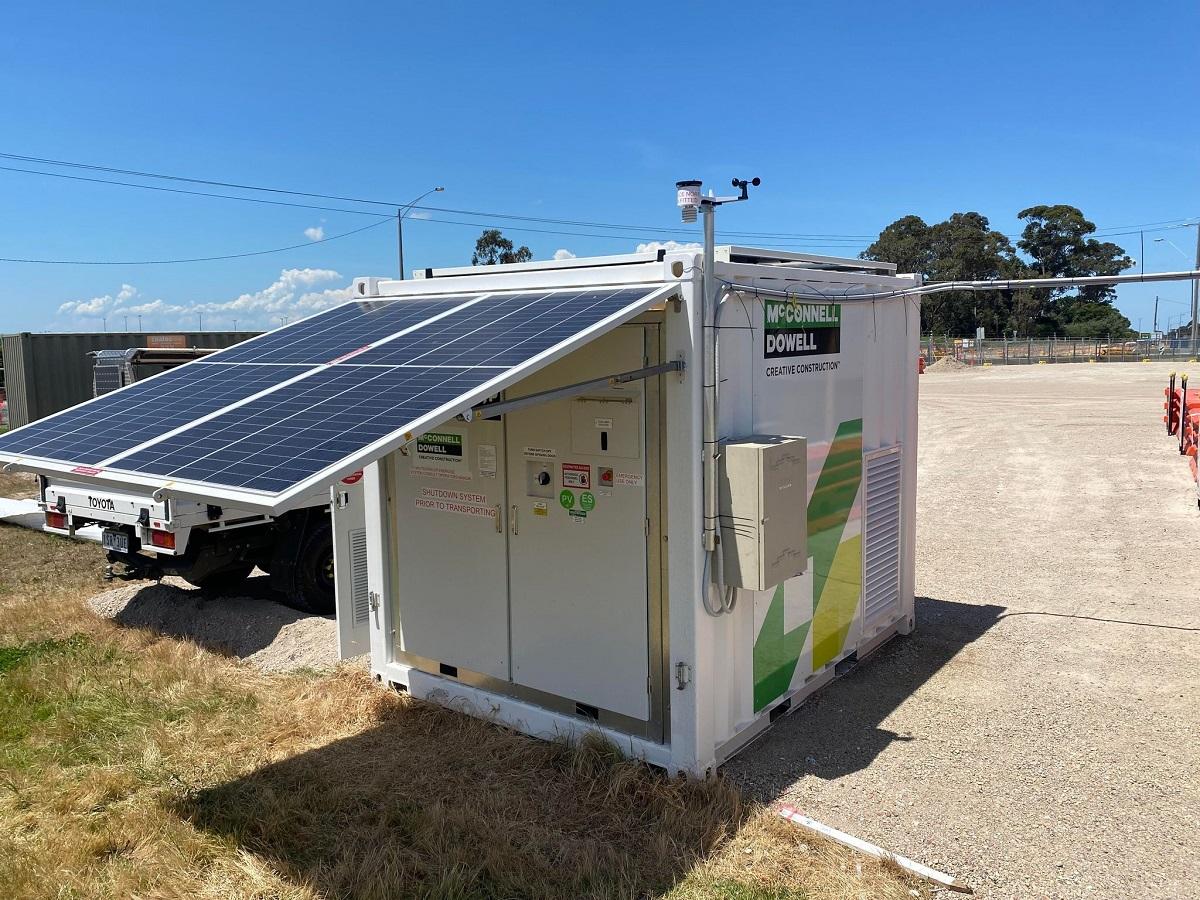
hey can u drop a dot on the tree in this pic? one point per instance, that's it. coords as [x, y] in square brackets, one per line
[1055, 242]
[962, 248]
[493, 247]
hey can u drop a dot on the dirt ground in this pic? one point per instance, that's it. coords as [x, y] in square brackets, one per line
[1039, 734]
[250, 624]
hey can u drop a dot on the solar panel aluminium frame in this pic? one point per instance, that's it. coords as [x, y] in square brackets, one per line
[304, 491]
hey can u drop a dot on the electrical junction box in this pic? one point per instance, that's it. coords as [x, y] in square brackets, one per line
[763, 491]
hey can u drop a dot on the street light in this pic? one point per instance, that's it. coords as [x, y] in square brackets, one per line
[1195, 283]
[400, 214]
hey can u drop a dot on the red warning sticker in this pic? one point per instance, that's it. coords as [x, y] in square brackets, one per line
[576, 475]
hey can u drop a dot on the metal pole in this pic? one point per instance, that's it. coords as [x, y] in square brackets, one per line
[1196, 292]
[710, 412]
[1155, 314]
[400, 239]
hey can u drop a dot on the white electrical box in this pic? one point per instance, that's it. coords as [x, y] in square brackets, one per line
[763, 488]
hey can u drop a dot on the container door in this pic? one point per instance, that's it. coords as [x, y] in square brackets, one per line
[350, 567]
[577, 533]
[451, 546]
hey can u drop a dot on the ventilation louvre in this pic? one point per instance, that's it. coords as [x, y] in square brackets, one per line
[881, 552]
[359, 594]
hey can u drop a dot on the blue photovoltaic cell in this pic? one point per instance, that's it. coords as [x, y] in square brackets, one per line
[502, 331]
[343, 329]
[120, 420]
[276, 441]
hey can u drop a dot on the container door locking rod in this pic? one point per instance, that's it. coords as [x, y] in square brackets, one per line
[500, 407]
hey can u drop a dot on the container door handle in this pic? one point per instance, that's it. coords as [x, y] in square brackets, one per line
[499, 518]
[512, 519]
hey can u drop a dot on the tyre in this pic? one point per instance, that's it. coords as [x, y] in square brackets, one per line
[313, 584]
[224, 581]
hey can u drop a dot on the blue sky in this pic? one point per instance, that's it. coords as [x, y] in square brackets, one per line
[852, 114]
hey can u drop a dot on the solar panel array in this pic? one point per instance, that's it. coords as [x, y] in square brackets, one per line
[274, 411]
[121, 420]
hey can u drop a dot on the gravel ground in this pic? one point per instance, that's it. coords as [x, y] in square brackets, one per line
[1037, 735]
[251, 626]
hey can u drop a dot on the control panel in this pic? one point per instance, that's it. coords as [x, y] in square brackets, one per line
[763, 497]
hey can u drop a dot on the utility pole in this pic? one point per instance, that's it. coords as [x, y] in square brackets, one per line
[1156, 313]
[1196, 291]
[139, 323]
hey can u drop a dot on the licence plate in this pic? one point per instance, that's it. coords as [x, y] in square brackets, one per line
[115, 540]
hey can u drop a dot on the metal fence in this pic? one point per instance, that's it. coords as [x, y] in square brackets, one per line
[1027, 351]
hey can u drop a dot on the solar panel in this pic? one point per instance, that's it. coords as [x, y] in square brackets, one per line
[281, 438]
[501, 330]
[120, 420]
[332, 391]
[325, 337]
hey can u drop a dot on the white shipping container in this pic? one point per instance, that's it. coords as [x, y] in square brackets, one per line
[543, 564]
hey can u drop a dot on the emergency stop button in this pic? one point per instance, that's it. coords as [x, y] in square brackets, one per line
[606, 477]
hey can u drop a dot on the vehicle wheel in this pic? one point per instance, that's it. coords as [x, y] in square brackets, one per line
[313, 591]
[224, 581]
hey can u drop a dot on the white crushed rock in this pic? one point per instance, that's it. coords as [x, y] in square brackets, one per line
[947, 364]
[1037, 734]
[250, 626]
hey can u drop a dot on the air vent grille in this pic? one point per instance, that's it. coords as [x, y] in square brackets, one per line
[881, 586]
[360, 600]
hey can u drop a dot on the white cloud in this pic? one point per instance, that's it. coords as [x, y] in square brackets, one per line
[563, 254]
[421, 214]
[295, 293]
[668, 245]
[315, 233]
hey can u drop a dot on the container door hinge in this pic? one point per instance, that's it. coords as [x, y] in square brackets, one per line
[683, 675]
[373, 598]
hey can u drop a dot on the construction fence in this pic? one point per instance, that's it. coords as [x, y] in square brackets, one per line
[1026, 351]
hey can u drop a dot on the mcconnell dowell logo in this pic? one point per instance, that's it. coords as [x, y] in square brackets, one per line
[801, 329]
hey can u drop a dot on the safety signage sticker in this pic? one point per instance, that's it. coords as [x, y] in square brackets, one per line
[587, 501]
[541, 508]
[576, 475]
[540, 453]
[487, 460]
[566, 499]
[629, 479]
[459, 503]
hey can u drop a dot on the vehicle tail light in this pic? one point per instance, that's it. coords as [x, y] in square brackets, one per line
[56, 520]
[163, 539]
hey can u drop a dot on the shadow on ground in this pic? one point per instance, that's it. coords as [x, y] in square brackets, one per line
[838, 730]
[235, 624]
[431, 803]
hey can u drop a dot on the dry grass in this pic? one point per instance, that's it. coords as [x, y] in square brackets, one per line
[18, 486]
[134, 765]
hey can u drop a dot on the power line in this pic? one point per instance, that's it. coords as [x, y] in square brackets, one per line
[1107, 231]
[649, 236]
[165, 262]
[649, 233]
[372, 201]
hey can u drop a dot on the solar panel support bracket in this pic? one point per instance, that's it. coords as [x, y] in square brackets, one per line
[500, 407]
